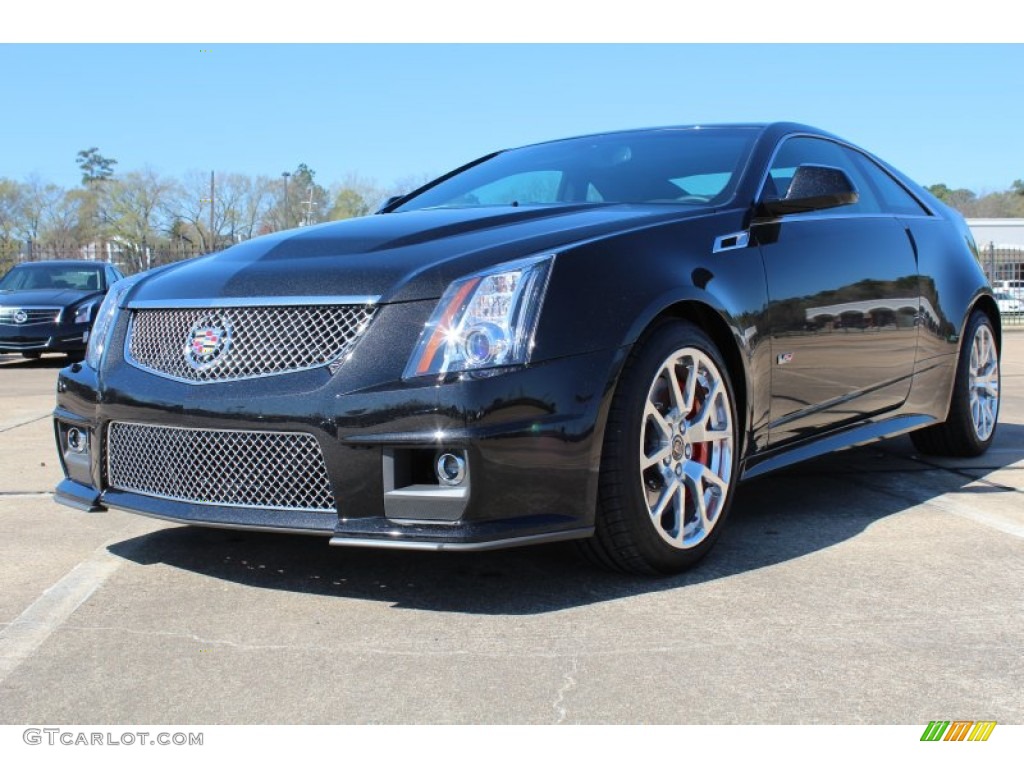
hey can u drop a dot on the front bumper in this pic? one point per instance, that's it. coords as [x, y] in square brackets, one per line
[44, 337]
[530, 437]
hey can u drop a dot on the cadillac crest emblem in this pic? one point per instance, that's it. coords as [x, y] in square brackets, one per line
[208, 342]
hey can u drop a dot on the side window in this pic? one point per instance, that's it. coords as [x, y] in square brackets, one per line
[895, 199]
[804, 150]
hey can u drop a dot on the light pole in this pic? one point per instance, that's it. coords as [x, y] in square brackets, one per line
[287, 207]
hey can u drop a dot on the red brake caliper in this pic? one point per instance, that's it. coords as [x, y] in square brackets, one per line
[701, 451]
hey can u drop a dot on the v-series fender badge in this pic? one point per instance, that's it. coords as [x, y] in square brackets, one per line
[783, 358]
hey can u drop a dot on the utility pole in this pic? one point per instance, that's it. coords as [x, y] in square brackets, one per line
[211, 245]
[287, 207]
[213, 237]
[307, 219]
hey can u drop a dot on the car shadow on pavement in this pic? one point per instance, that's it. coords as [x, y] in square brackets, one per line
[787, 515]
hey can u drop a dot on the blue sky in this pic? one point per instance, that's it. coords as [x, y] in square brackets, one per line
[941, 113]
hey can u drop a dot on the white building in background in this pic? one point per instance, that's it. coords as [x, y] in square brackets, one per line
[1001, 233]
[1001, 246]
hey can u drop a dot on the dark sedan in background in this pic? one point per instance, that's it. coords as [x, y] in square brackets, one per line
[49, 306]
[594, 338]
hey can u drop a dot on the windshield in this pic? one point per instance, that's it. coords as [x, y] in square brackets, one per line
[28, 277]
[687, 166]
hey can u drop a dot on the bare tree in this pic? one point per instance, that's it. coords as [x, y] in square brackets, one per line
[11, 204]
[36, 197]
[242, 202]
[11, 194]
[407, 184]
[258, 203]
[189, 205]
[355, 196]
[63, 228]
[132, 211]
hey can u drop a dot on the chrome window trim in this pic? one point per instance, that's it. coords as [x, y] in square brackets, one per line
[932, 213]
[814, 216]
[251, 301]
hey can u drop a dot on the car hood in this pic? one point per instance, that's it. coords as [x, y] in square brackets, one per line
[396, 257]
[52, 297]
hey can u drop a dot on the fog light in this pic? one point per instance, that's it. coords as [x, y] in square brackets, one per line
[77, 441]
[451, 469]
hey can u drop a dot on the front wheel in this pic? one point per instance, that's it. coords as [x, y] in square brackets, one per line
[669, 464]
[970, 425]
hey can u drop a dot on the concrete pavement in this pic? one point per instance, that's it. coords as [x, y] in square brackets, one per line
[871, 586]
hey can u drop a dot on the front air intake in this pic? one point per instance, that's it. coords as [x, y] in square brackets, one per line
[231, 468]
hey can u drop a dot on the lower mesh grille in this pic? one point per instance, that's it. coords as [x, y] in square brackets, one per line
[265, 470]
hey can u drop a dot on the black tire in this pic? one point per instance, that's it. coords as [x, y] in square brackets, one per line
[970, 426]
[657, 459]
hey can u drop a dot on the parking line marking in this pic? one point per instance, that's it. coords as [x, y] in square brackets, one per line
[20, 638]
[26, 423]
[985, 518]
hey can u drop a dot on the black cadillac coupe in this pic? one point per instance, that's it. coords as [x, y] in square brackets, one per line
[596, 339]
[49, 306]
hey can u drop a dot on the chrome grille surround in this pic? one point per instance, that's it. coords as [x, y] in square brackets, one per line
[258, 340]
[227, 468]
[33, 315]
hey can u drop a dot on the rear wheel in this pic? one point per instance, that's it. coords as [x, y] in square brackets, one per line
[974, 409]
[668, 467]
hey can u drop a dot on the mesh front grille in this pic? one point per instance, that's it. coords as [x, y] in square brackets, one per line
[266, 470]
[32, 315]
[222, 344]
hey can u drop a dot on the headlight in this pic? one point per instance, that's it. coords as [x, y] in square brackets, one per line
[83, 312]
[484, 320]
[103, 327]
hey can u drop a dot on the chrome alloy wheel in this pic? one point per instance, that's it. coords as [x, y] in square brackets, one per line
[983, 382]
[686, 448]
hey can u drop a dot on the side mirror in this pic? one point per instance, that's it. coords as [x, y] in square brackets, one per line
[813, 188]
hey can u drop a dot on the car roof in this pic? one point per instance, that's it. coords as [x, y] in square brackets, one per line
[778, 128]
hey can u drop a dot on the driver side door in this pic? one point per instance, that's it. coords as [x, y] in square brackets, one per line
[843, 300]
